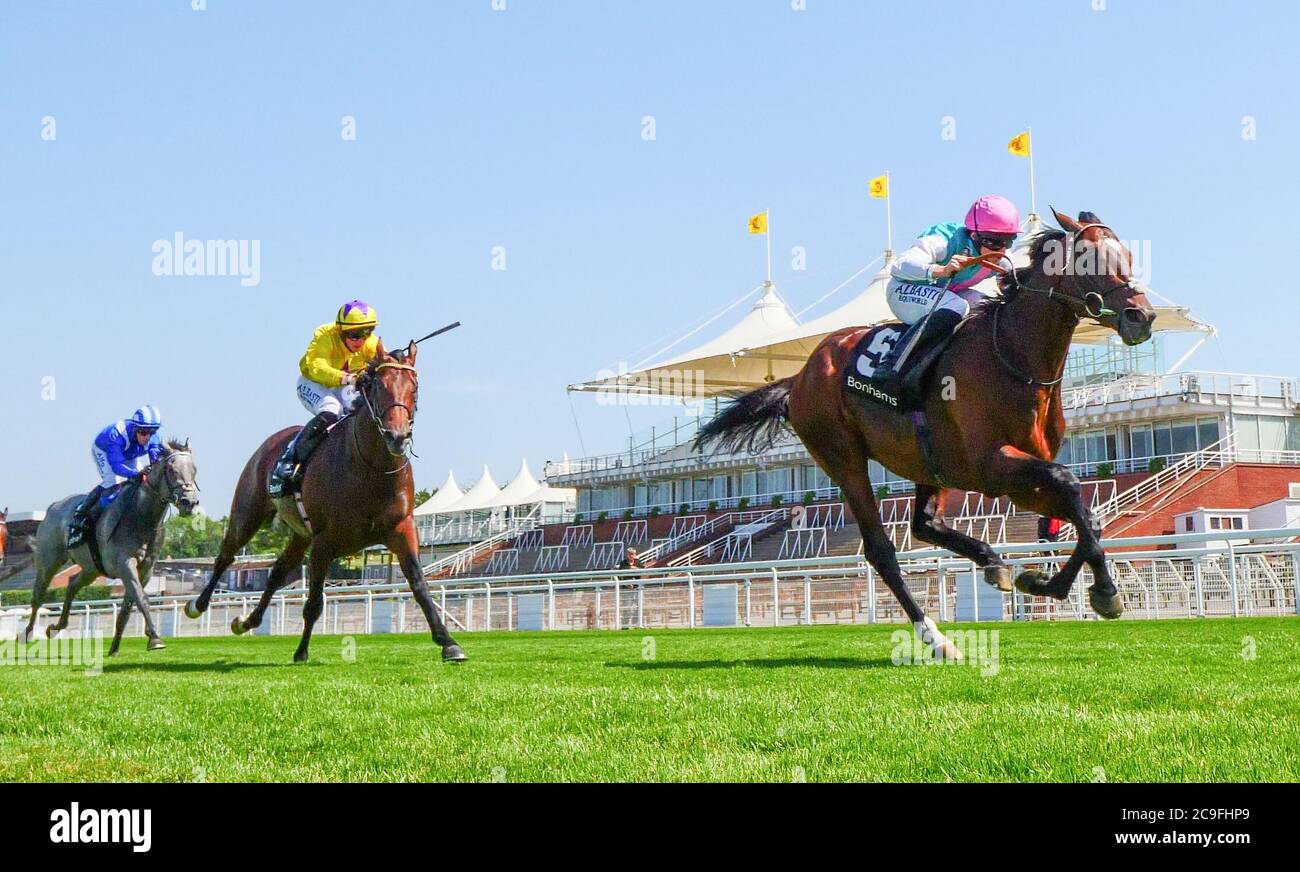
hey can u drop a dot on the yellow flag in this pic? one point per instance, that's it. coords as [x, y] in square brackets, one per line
[880, 187]
[1020, 145]
[758, 224]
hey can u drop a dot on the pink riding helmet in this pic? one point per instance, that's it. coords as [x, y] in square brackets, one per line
[993, 214]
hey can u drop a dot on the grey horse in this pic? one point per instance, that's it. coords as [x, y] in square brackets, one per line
[129, 533]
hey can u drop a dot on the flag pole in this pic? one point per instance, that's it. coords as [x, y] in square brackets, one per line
[768, 234]
[1033, 196]
[889, 220]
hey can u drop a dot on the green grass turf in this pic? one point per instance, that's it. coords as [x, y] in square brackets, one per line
[1143, 700]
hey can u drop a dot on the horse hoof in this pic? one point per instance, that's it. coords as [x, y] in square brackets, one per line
[453, 654]
[1032, 582]
[946, 650]
[299, 656]
[51, 631]
[112, 652]
[156, 644]
[999, 577]
[237, 627]
[192, 611]
[1108, 605]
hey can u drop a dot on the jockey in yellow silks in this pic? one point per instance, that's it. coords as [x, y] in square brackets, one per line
[337, 354]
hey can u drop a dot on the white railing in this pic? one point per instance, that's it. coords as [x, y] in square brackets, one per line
[632, 532]
[1204, 387]
[553, 558]
[579, 536]
[1219, 454]
[504, 561]
[464, 559]
[1201, 576]
[531, 540]
[735, 519]
[828, 515]
[683, 524]
[802, 544]
[605, 555]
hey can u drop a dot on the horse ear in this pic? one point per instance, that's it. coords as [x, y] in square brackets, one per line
[381, 352]
[1065, 221]
[411, 351]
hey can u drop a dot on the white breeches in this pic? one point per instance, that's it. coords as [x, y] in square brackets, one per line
[108, 477]
[317, 398]
[910, 302]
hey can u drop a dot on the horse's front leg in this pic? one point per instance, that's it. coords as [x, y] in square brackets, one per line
[405, 544]
[1052, 489]
[928, 526]
[135, 590]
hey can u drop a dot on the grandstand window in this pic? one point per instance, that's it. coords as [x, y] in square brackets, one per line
[1207, 432]
[1140, 441]
[1183, 437]
[1163, 440]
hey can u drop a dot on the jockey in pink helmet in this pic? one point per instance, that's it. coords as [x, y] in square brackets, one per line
[935, 277]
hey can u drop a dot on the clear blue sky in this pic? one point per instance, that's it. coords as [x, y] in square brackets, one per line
[522, 129]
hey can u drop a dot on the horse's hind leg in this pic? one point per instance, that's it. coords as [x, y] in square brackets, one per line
[288, 559]
[244, 523]
[123, 615]
[1052, 489]
[850, 473]
[39, 586]
[76, 583]
[928, 526]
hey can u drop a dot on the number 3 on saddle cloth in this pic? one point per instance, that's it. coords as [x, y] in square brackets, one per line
[867, 357]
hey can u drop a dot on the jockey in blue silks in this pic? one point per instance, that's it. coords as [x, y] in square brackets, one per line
[121, 452]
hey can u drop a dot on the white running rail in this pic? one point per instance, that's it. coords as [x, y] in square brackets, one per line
[736, 519]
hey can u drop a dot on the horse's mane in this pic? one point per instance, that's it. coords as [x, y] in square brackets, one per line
[175, 444]
[1007, 285]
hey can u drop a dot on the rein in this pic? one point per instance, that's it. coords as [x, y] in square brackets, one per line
[1093, 305]
[378, 419]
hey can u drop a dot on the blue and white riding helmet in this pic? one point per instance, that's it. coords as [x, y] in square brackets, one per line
[146, 418]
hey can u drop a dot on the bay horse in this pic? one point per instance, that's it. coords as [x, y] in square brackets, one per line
[129, 536]
[358, 491]
[993, 404]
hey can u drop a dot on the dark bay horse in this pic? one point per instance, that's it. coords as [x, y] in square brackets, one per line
[358, 491]
[993, 402]
[129, 535]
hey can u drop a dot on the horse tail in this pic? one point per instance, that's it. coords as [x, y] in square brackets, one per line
[752, 421]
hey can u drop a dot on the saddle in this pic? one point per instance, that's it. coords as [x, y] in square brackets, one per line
[870, 351]
[867, 356]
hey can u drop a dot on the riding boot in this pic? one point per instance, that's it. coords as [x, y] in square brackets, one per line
[287, 475]
[887, 378]
[79, 527]
[938, 327]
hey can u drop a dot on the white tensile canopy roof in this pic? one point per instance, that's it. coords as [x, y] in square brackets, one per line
[768, 344]
[484, 491]
[716, 359]
[523, 490]
[448, 494]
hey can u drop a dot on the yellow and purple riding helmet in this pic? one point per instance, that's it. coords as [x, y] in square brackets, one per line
[356, 315]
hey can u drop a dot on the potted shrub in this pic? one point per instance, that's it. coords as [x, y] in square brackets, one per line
[1156, 464]
[655, 512]
[777, 499]
[684, 509]
[577, 519]
[1105, 470]
[743, 504]
[602, 517]
[882, 492]
[627, 514]
[713, 506]
[809, 498]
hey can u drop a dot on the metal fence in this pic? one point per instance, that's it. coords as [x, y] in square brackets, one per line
[1201, 575]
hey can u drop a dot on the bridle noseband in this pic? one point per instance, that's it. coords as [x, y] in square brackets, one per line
[377, 417]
